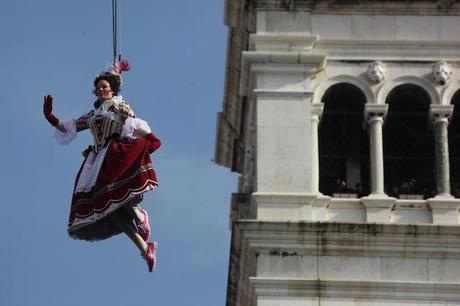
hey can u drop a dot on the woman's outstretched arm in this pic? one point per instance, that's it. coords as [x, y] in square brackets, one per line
[48, 112]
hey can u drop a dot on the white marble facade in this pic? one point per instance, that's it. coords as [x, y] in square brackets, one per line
[295, 246]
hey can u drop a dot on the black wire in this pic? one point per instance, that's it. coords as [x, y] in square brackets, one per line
[114, 28]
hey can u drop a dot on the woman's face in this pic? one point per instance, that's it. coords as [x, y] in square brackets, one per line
[103, 90]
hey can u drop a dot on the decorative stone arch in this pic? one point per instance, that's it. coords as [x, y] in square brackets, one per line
[408, 140]
[383, 92]
[343, 142]
[448, 93]
[322, 87]
[452, 96]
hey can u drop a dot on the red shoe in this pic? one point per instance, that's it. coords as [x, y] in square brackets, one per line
[143, 227]
[151, 255]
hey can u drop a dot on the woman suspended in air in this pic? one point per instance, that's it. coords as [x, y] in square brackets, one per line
[116, 170]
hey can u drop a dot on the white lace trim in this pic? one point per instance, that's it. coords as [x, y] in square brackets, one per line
[117, 100]
[70, 132]
[135, 127]
[82, 222]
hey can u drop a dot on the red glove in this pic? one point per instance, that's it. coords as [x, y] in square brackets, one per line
[48, 109]
[155, 143]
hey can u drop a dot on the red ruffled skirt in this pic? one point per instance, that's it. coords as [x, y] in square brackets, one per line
[125, 174]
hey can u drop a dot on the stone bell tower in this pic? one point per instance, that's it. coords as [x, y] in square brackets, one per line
[341, 118]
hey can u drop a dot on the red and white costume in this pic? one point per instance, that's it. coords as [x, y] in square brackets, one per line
[116, 171]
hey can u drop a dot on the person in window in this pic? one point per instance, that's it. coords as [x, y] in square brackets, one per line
[116, 170]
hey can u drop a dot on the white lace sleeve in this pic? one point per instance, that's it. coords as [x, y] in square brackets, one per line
[127, 131]
[142, 127]
[135, 127]
[70, 134]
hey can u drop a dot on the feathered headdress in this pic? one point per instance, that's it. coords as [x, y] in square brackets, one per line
[119, 66]
[113, 75]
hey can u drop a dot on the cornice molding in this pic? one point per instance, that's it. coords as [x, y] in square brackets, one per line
[282, 94]
[393, 7]
[284, 57]
[253, 61]
[351, 239]
[388, 50]
[282, 41]
[300, 287]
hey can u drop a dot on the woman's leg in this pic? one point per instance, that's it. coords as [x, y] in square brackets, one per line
[141, 218]
[148, 249]
[135, 213]
[123, 221]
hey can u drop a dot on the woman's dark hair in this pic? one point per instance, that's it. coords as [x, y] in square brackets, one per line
[114, 81]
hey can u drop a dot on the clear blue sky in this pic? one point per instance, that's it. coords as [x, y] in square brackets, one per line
[177, 51]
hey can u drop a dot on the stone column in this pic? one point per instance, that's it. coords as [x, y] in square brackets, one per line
[444, 206]
[378, 204]
[321, 201]
[247, 179]
[316, 113]
[440, 115]
[375, 114]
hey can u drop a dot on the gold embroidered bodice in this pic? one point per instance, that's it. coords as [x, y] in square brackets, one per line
[105, 122]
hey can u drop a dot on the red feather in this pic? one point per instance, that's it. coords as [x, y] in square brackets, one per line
[120, 66]
[124, 65]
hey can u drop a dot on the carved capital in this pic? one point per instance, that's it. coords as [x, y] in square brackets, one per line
[375, 112]
[441, 113]
[441, 73]
[316, 110]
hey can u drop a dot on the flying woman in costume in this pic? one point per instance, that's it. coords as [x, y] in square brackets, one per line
[117, 168]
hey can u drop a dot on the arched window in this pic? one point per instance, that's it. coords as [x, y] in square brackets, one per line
[408, 144]
[343, 142]
[454, 146]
